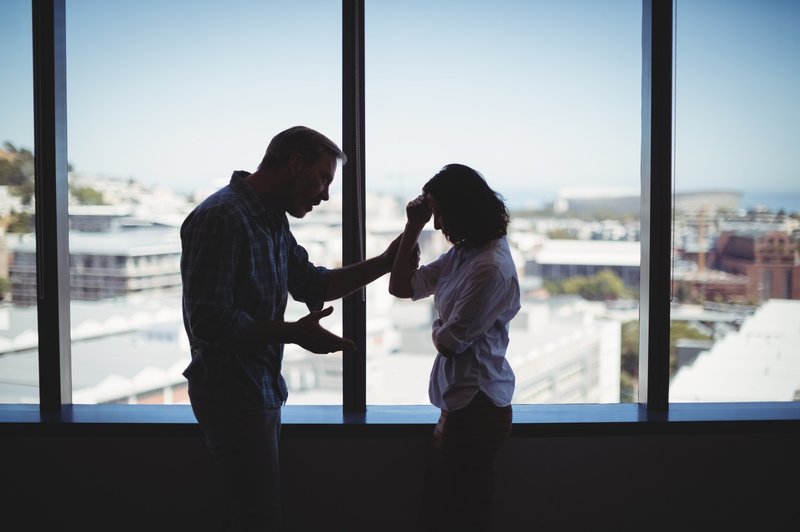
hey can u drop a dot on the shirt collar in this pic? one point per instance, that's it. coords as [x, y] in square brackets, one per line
[252, 204]
[466, 252]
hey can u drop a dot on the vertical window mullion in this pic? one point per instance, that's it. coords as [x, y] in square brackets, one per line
[656, 203]
[354, 316]
[52, 251]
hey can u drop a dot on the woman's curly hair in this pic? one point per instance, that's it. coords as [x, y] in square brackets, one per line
[469, 205]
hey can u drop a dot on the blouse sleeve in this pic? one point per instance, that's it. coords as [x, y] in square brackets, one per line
[425, 278]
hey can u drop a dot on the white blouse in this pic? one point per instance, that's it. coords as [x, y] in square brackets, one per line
[476, 294]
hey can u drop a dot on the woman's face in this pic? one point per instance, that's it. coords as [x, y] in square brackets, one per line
[440, 221]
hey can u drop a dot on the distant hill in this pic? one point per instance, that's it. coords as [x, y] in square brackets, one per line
[16, 171]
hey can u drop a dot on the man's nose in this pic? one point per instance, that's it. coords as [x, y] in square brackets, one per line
[325, 196]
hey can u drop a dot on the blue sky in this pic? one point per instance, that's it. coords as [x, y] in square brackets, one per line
[536, 95]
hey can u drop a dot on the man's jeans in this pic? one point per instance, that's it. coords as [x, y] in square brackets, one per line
[244, 445]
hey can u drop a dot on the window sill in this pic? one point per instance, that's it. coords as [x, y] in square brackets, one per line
[529, 420]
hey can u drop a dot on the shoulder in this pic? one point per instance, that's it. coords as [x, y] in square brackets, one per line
[441, 262]
[495, 259]
[220, 209]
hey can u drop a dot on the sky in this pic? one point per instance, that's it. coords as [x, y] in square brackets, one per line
[536, 95]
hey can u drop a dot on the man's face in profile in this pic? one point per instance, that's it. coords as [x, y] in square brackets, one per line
[311, 183]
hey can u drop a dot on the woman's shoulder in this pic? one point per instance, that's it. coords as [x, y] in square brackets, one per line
[496, 254]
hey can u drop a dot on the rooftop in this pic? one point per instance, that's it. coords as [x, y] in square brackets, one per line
[589, 252]
[760, 362]
[138, 241]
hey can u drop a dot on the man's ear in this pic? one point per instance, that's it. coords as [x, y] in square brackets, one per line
[295, 164]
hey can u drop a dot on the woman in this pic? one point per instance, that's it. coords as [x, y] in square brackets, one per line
[476, 294]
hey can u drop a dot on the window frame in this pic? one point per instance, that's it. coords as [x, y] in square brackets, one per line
[653, 407]
[50, 195]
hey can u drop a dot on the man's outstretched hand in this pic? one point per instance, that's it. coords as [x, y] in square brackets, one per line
[391, 251]
[310, 335]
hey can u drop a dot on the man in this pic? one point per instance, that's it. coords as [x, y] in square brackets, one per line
[239, 264]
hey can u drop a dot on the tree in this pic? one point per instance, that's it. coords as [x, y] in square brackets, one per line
[561, 234]
[21, 222]
[629, 361]
[629, 347]
[679, 330]
[87, 195]
[16, 172]
[5, 285]
[603, 286]
[10, 173]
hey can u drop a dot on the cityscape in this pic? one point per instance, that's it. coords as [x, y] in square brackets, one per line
[735, 297]
[560, 105]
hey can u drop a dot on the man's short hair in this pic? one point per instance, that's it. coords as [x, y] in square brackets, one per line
[310, 144]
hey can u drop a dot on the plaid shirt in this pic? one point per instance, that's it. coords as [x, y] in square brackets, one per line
[239, 263]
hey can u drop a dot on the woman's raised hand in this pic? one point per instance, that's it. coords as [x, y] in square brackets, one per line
[418, 211]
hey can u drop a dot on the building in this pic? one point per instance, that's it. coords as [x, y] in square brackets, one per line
[600, 199]
[125, 350]
[99, 218]
[597, 200]
[759, 362]
[709, 285]
[557, 260]
[563, 350]
[768, 259]
[105, 264]
[707, 201]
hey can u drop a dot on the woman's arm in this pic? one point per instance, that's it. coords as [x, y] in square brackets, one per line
[418, 212]
[487, 297]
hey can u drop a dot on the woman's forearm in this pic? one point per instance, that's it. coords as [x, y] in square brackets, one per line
[400, 279]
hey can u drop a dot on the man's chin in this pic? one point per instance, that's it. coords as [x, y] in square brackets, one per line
[299, 212]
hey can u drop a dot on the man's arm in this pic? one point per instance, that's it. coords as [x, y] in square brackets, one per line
[305, 332]
[343, 281]
[210, 245]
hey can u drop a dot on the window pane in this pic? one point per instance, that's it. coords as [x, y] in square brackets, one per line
[166, 100]
[544, 99]
[737, 211]
[19, 354]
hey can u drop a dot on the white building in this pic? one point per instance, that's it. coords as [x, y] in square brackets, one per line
[760, 362]
[105, 264]
[557, 260]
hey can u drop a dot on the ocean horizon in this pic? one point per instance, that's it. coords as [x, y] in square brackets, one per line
[788, 200]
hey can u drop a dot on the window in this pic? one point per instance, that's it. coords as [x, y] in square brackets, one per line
[19, 369]
[544, 99]
[737, 204]
[324, 112]
[165, 101]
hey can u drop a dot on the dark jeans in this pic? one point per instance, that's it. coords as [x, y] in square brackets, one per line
[244, 445]
[458, 493]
